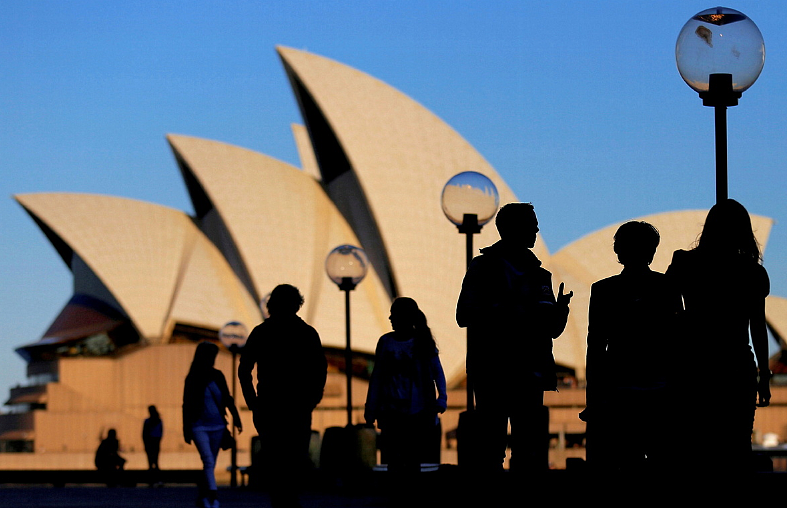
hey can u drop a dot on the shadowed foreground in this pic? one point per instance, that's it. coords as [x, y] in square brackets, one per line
[448, 487]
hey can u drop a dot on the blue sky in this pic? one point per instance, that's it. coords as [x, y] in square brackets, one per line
[577, 104]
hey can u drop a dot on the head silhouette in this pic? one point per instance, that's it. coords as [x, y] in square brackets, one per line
[285, 299]
[517, 224]
[407, 319]
[405, 314]
[728, 231]
[636, 243]
[204, 356]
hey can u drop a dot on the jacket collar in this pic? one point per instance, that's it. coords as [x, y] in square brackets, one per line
[524, 258]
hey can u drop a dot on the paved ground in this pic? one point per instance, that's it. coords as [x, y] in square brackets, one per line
[434, 491]
[177, 496]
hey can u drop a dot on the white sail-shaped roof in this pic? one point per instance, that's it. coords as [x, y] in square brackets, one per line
[284, 226]
[156, 264]
[398, 157]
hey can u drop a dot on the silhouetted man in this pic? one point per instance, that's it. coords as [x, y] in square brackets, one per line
[512, 315]
[630, 330]
[291, 374]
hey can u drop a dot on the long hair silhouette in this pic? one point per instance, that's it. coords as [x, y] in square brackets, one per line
[728, 232]
[202, 364]
[408, 317]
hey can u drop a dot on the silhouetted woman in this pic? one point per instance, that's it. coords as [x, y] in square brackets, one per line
[724, 286]
[407, 388]
[206, 398]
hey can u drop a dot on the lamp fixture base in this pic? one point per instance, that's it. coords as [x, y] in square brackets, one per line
[720, 92]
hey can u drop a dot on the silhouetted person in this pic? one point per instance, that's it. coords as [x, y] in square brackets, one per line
[407, 389]
[724, 286]
[512, 315]
[108, 460]
[152, 432]
[206, 399]
[631, 325]
[291, 374]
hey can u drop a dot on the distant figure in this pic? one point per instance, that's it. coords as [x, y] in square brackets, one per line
[206, 398]
[512, 315]
[291, 374]
[724, 286]
[108, 460]
[630, 346]
[407, 388]
[152, 432]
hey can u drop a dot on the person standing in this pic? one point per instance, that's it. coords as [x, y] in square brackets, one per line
[206, 399]
[630, 346]
[291, 375]
[724, 286]
[152, 432]
[512, 315]
[407, 389]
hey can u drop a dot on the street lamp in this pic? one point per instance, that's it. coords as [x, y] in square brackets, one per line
[720, 54]
[469, 201]
[346, 266]
[233, 335]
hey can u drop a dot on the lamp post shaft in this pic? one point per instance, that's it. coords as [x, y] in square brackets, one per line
[346, 267]
[469, 258]
[721, 153]
[348, 358]
[234, 451]
[469, 227]
[720, 96]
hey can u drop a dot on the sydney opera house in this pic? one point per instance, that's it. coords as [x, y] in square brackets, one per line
[150, 282]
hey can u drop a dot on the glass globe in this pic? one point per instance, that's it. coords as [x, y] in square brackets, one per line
[234, 334]
[346, 261]
[720, 41]
[470, 193]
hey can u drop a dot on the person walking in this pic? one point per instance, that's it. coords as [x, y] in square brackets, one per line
[286, 393]
[206, 399]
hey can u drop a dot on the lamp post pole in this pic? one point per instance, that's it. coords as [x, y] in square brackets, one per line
[469, 227]
[720, 96]
[346, 266]
[348, 285]
[234, 348]
[469, 200]
[720, 54]
[233, 335]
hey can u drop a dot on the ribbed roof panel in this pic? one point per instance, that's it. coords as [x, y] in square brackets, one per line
[403, 155]
[151, 258]
[284, 226]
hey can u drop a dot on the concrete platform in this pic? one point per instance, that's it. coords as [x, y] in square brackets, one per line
[445, 488]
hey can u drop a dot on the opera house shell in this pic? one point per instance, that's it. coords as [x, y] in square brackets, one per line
[150, 281]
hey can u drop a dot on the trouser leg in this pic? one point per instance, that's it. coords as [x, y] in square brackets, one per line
[530, 433]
